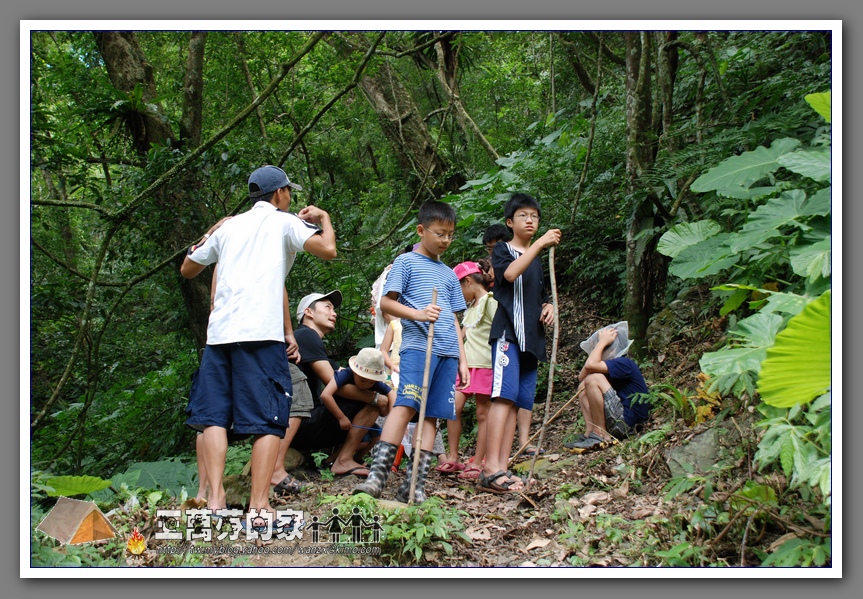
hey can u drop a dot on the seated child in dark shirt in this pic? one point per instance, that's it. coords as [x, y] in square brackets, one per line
[367, 371]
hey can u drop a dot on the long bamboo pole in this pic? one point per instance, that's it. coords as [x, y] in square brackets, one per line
[550, 366]
[416, 442]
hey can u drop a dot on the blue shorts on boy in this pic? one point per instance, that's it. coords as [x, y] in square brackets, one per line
[441, 392]
[514, 374]
[256, 371]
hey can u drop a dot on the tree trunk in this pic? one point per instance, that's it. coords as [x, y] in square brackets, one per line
[640, 154]
[446, 72]
[400, 118]
[127, 67]
[193, 91]
[403, 125]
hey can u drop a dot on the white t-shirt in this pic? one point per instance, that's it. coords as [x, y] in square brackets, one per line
[255, 251]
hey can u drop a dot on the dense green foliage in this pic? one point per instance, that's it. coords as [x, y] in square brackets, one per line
[738, 195]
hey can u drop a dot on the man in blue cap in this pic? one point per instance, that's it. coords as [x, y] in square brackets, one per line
[244, 379]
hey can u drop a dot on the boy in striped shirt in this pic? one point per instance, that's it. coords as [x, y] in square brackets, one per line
[407, 295]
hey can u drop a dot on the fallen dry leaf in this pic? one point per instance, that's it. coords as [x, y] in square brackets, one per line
[537, 544]
[478, 534]
[622, 492]
[595, 497]
[781, 541]
[642, 513]
[586, 511]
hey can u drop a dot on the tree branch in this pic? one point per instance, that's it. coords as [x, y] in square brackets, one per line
[71, 269]
[73, 204]
[606, 51]
[593, 113]
[416, 49]
[354, 82]
[465, 121]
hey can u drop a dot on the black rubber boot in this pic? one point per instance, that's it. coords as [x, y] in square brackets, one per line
[422, 472]
[379, 471]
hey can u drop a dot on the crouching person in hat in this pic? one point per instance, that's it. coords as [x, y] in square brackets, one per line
[313, 426]
[608, 381]
[244, 379]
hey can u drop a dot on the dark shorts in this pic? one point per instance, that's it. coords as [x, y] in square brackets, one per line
[321, 430]
[513, 374]
[246, 385]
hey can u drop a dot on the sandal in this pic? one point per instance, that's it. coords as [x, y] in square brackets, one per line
[470, 473]
[288, 486]
[577, 439]
[450, 467]
[487, 483]
[592, 442]
[532, 450]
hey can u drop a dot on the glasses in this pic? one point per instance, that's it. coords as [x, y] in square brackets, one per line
[526, 216]
[443, 236]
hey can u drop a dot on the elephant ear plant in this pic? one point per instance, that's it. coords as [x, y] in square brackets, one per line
[778, 258]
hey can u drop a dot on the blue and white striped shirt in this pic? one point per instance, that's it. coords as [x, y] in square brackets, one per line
[413, 276]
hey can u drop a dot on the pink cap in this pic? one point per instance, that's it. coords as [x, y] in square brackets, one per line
[466, 268]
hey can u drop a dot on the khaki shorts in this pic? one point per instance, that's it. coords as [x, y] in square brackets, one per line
[302, 402]
[614, 422]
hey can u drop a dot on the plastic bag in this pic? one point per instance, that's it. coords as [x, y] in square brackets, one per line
[617, 348]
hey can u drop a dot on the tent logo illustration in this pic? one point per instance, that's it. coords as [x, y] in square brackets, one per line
[73, 522]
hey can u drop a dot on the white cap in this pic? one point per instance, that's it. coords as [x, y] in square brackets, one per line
[334, 296]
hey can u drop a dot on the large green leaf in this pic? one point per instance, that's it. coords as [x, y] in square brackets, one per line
[681, 236]
[758, 330]
[703, 259]
[813, 163]
[754, 335]
[67, 486]
[745, 169]
[818, 203]
[764, 223]
[812, 261]
[732, 361]
[171, 475]
[797, 367]
[741, 193]
[821, 103]
[786, 303]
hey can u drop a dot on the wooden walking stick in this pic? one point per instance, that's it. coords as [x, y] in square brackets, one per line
[550, 367]
[416, 442]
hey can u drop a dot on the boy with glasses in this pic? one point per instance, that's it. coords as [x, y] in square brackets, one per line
[517, 335]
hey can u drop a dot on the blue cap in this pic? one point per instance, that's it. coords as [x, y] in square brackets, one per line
[268, 179]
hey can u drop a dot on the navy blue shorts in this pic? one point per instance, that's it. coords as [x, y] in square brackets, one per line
[247, 385]
[441, 391]
[513, 374]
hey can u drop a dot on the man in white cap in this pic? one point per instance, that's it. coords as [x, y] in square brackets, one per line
[313, 426]
[608, 380]
[244, 379]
